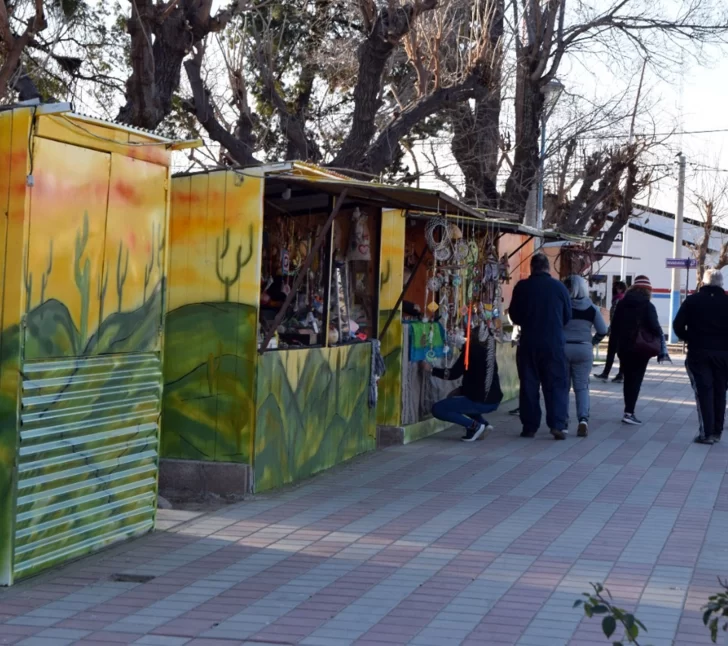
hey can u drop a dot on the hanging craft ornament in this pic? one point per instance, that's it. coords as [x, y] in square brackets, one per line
[472, 252]
[359, 242]
[440, 249]
[461, 251]
[454, 231]
[430, 356]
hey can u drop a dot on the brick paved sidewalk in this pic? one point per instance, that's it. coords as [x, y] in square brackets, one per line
[431, 544]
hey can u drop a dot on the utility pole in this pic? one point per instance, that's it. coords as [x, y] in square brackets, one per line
[625, 235]
[677, 244]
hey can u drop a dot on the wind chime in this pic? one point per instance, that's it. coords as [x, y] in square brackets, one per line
[464, 287]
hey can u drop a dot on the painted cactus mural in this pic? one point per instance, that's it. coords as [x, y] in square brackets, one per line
[85, 385]
[211, 326]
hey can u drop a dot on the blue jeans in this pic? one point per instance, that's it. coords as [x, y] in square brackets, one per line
[462, 411]
[580, 356]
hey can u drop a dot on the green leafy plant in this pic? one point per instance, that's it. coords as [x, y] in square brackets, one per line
[599, 603]
[715, 610]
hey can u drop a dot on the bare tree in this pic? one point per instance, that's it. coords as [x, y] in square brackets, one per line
[48, 48]
[710, 198]
[12, 44]
[162, 34]
[546, 33]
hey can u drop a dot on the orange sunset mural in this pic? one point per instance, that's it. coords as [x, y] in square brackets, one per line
[82, 320]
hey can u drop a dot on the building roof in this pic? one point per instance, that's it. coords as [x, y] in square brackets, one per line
[661, 224]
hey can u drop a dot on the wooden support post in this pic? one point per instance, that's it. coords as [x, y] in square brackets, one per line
[404, 292]
[304, 270]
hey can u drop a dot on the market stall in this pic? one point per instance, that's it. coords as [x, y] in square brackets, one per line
[83, 267]
[455, 272]
[279, 293]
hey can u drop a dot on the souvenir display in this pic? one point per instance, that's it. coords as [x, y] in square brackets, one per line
[359, 243]
[463, 289]
[287, 242]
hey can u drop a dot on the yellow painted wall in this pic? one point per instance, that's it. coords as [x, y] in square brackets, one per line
[389, 405]
[212, 316]
[83, 372]
[14, 132]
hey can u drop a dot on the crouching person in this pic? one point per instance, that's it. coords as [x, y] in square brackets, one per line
[480, 393]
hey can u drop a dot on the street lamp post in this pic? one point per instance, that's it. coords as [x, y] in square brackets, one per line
[551, 93]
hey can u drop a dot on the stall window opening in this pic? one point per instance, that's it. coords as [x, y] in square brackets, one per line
[336, 302]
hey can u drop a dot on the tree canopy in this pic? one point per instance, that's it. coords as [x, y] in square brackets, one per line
[361, 85]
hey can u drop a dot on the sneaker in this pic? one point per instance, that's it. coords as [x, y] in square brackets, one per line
[583, 429]
[716, 438]
[601, 376]
[558, 435]
[704, 440]
[618, 379]
[528, 434]
[477, 433]
[515, 412]
[629, 418]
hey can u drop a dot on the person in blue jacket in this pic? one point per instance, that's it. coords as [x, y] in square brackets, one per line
[541, 307]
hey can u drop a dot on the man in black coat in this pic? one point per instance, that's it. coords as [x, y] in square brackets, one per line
[541, 307]
[702, 322]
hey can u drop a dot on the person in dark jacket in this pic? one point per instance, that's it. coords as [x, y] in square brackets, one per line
[702, 322]
[618, 291]
[480, 393]
[541, 307]
[633, 313]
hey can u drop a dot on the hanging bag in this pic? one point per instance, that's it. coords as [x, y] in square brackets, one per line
[646, 344]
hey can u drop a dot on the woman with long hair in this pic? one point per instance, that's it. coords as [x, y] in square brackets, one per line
[585, 317]
[639, 337]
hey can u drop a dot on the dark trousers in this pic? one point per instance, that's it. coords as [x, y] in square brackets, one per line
[546, 370]
[708, 372]
[633, 369]
[462, 411]
[611, 353]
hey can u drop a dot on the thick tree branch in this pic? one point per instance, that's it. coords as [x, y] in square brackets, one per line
[12, 46]
[391, 25]
[383, 150]
[161, 37]
[241, 150]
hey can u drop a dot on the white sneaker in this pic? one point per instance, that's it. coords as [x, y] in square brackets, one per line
[583, 429]
[479, 433]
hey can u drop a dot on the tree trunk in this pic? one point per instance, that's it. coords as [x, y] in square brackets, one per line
[529, 105]
[374, 52]
[161, 38]
[702, 250]
[476, 132]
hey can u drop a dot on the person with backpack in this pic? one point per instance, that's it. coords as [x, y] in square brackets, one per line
[480, 392]
[639, 337]
[702, 322]
[618, 291]
[580, 343]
